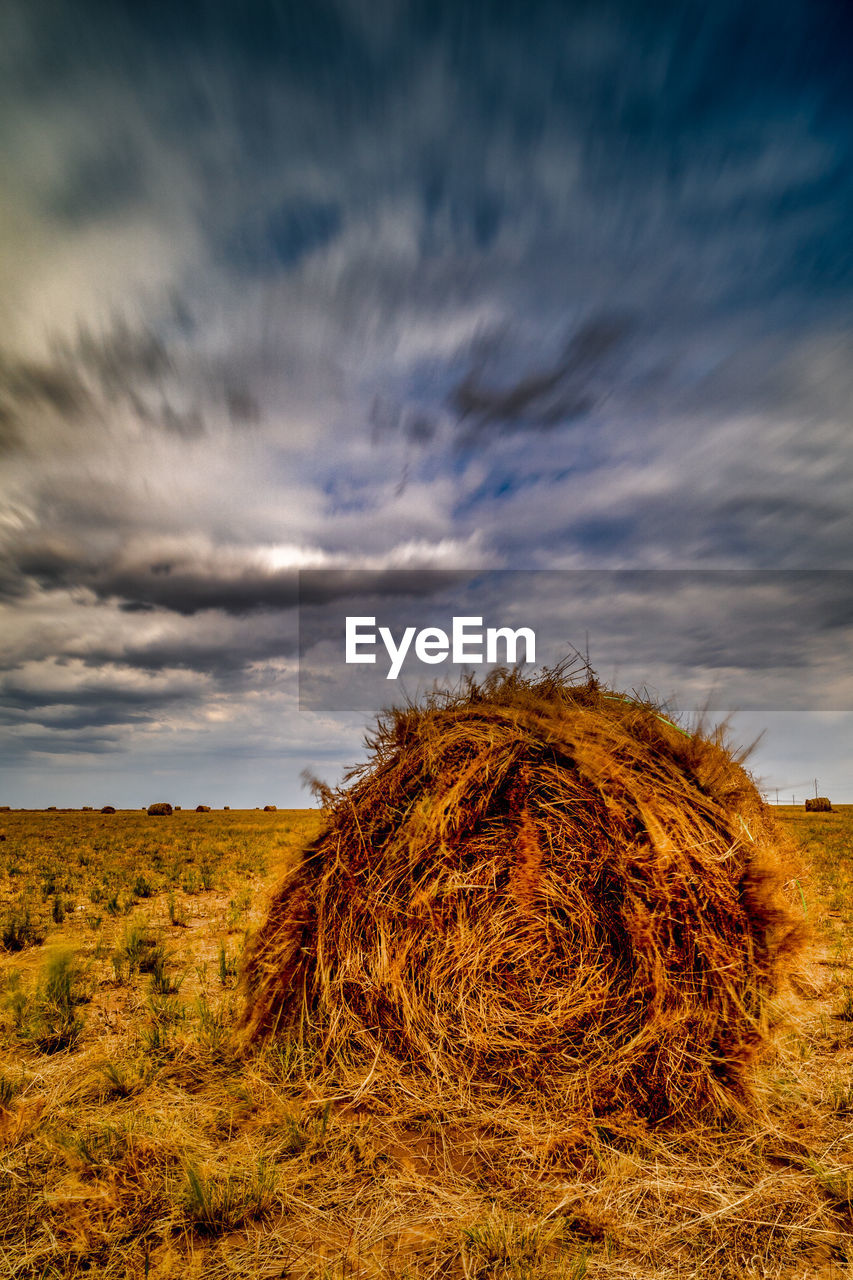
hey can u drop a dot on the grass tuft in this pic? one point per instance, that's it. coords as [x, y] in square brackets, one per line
[217, 1203]
[47, 1016]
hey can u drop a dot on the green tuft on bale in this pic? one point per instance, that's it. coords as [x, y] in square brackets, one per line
[542, 886]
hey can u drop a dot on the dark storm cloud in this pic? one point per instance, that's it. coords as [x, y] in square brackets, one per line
[184, 587]
[121, 356]
[84, 376]
[243, 408]
[108, 713]
[100, 185]
[189, 425]
[388, 418]
[15, 750]
[126, 365]
[13, 583]
[561, 394]
[25, 386]
[211, 659]
[10, 439]
[73, 718]
[113, 705]
[769, 526]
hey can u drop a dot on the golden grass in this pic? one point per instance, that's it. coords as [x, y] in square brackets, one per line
[151, 1150]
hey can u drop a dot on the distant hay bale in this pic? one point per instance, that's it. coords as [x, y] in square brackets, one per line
[270, 808]
[159, 810]
[5, 808]
[819, 804]
[544, 886]
[177, 808]
[202, 808]
[226, 808]
[108, 808]
[87, 808]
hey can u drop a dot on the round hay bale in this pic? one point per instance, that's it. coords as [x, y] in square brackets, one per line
[161, 809]
[108, 808]
[202, 808]
[270, 808]
[544, 886]
[818, 804]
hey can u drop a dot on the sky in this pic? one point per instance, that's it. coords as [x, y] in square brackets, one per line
[399, 286]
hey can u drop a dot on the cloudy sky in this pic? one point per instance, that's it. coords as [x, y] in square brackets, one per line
[397, 285]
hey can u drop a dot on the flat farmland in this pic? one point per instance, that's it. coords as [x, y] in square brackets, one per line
[136, 1141]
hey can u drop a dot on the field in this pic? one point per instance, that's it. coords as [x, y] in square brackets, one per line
[136, 1141]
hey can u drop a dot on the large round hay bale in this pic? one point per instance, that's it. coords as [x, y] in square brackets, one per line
[159, 810]
[818, 804]
[270, 808]
[108, 808]
[538, 885]
[202, 808]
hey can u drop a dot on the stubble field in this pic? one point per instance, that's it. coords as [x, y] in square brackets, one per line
[136, 1141]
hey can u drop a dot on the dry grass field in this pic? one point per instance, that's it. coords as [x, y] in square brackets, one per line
[137, 1143]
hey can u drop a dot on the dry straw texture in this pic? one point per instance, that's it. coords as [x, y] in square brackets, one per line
[538, 885]
[819, 804]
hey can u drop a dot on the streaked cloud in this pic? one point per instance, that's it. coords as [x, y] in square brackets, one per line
[403, 286]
